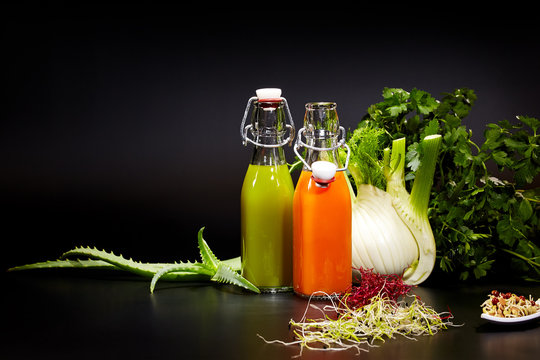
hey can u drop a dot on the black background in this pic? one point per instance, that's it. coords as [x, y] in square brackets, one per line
[120, 122]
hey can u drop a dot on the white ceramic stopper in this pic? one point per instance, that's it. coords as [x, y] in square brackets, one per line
[323, 170]
[268, 93]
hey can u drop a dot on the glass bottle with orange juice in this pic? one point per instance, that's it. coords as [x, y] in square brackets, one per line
[321, 207]
[267, 194]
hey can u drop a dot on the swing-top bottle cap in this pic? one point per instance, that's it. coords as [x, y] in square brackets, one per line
[268, 94]
[323, 170]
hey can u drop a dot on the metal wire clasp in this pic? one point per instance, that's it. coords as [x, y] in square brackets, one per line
[244, 128]
[341, 143]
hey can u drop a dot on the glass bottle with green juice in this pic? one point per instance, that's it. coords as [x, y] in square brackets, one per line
[267, 194]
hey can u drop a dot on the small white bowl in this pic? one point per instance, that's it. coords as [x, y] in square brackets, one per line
[512, 320]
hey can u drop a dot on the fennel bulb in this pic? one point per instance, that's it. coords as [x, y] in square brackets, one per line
[376, 226]
[391, 233]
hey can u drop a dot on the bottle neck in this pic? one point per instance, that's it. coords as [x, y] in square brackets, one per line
[268, 155]
[313, 155]
[268, 129]
[321, 124]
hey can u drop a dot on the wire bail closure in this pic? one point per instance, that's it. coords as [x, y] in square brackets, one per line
[244, 128]
[341, 143]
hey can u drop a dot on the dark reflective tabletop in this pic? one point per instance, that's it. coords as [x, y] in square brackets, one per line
[101, 315]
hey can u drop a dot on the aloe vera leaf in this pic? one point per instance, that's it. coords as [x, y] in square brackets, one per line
[119, 261]
[225, 274]
[183, 269]
[86, 264]
[203, 271]
[185, 276]
[207, 256]
[234, 263]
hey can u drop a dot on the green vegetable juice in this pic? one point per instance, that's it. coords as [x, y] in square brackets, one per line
[266, 226]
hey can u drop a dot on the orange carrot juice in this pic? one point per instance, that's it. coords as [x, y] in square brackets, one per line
[321, 236]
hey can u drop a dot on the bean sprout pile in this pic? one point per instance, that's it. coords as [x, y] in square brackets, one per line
[508, 305]
[341, 327]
